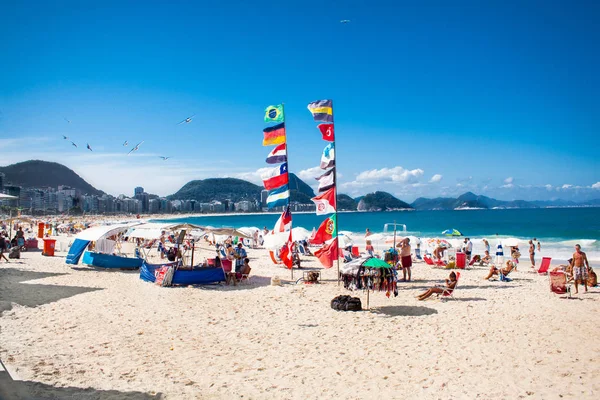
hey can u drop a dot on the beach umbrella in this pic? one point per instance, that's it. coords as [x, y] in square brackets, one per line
[452, 232]
[510, 242]
[374, 262]
[344, 241]
[439, 242]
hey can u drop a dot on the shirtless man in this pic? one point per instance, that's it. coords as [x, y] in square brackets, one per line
[579, 263]
[405, 259]
[532, 253]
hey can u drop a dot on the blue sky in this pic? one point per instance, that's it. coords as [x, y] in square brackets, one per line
[430, 98]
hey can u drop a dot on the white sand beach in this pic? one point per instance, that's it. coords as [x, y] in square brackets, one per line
[91, 334]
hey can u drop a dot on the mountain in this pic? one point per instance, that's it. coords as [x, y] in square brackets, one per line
[42, 174]
[381, 201]
[299, 190]
[346, 203]
[221, 189]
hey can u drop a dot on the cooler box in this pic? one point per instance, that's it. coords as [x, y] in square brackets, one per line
[49, 247]
[355, 252]
[461, 260]
[41, 230]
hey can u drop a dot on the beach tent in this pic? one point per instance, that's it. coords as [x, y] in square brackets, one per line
[98, 234]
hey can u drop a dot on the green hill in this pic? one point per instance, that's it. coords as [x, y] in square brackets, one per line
[381, 201]
[220, 189]
[346, 203]
[41, 174]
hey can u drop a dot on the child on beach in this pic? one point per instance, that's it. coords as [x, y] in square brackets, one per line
[450, 284]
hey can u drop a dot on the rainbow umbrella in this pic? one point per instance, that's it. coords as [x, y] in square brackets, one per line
[452, 232]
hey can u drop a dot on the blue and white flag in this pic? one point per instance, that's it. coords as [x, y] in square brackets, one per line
[278, 197]
[328, 157]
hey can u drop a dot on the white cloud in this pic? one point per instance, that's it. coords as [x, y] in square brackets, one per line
[509, 180]
[596, 185]
[253, 176]
[566, 186]
[396, 174]
[310, 174]
[436, 178]
[508, 186]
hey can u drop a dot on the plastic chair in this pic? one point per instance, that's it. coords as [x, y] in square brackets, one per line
[558, 283]
[450, 292]
[545, 265]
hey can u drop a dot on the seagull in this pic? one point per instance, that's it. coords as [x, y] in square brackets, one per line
[344, 21]
[125, 144]
[64, 137]
[164, 158]
[137, 147]
[73, 143]
[89, 147]
[67, 120]
[187, 120]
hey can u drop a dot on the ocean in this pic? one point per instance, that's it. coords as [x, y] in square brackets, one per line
[558, 229]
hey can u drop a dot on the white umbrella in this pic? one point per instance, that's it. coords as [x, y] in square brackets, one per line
[344, 241]
[510, 242]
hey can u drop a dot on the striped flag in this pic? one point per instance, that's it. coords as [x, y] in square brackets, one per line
[326, 181]
[277, 155]
[322, 110]
[278, 197]
[328, 157]
[275, 177]
[274, 134]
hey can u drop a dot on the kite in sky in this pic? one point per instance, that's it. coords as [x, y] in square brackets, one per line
[89, 147]
[187, 120]
[136, 148]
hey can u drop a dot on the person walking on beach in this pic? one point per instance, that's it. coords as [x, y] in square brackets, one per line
[2, 247]
[405, 259]
[468, 248]
[367, 232]
[532, 253]
[537, 242]
[486, 244]
[579, 263]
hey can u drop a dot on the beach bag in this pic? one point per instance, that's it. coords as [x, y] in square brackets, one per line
[346, 303]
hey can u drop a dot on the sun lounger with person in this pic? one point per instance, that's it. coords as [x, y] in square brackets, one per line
[510, 266]
[450, 285]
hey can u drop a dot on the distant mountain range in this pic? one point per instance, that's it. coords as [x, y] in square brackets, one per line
[42, 174]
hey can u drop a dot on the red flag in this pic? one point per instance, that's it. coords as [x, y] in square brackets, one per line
[327, 131]
[286, 253]
[284, 223]
[328, 253]
[325, 232]
[325, 202]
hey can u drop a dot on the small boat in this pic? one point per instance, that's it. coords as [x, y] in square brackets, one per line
[196, 276]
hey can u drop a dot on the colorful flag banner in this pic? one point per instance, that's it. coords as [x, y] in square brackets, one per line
[327, 131]
[278, 197]
[322, 110]
[327, 180]
[274, 134]
[325, 202]
[326, 231]
[328, 156]
[328, 253]
[287, 253]
[275, 177]
[274, 113]
[284, 223]
[277, 155]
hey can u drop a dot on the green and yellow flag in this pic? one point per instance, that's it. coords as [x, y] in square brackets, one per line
[274, 113]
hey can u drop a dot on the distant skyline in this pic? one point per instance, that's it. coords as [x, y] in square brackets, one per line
[430, 99]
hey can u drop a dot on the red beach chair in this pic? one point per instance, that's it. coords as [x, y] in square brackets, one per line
[558, 283]
[545, 265]
[450, 292]
[428, 260]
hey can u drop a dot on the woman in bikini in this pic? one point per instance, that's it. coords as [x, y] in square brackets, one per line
[505, 271]
[532, 253]
[450, 284]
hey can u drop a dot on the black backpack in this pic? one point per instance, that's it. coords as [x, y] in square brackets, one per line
[346, 303]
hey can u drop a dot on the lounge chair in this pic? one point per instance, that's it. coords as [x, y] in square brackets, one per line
[545, 265]
[558, 283]
[450, 292]
[428, 260]
[245, 277]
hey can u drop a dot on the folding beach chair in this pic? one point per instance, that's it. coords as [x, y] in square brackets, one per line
[545, 265]
[450, 292]
[245, 277]
[558, 283]
[428, 260]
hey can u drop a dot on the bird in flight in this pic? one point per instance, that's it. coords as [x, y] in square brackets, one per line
[67, 120]
[64, 137]
[345, 21]
[73, 143]
[136, 148]
[89, 147]
[125, 144]
[164, 158]
[187, 120]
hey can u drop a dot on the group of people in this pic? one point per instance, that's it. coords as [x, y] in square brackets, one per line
[5, 244]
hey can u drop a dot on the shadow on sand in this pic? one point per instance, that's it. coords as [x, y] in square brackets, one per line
[12, 290]
[404, 311]
[29, 390]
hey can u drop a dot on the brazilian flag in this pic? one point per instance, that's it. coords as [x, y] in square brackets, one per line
[274, 113]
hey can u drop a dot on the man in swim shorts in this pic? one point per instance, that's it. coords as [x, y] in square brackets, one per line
[405, 259]
[579, 263]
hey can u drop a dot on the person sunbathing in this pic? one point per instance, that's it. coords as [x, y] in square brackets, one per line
[438, 252]
[486, 259]
[450, 284]
[567, 269]
[505, 271]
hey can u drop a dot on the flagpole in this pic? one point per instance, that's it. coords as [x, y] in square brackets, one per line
[335, 194]
[287, 154]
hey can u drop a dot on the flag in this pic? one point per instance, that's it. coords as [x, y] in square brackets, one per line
[284, 223]
[327, 131]
[325, 202]
[274, 113]
[328, 253]
[326, 231]
[275, 177]
[278, 197]
[274, 134]
[322, 110]
[326, 181]
[328, 156]
[287, 252]
[277, 155]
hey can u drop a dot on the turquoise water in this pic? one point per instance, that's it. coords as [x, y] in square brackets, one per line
[558, 229]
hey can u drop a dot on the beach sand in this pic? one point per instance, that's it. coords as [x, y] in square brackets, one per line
[86, 333]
